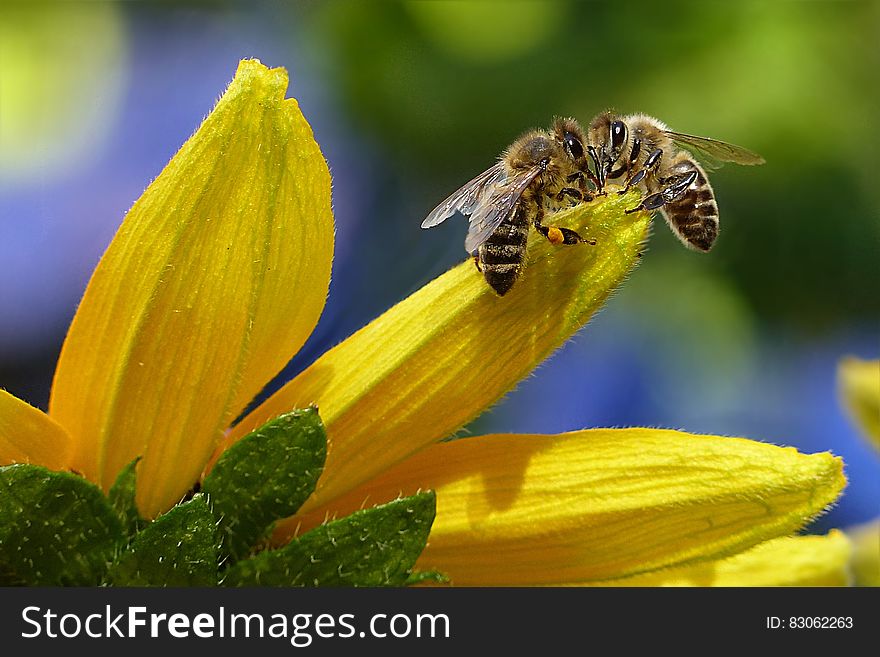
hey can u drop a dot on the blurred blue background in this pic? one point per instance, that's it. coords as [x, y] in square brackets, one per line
[408, 101]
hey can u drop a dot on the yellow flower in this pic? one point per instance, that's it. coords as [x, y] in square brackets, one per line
[216, 278]
[859, 383]
[865, 561]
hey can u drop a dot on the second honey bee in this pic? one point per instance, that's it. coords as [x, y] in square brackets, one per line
[640, 150]
[540, 172]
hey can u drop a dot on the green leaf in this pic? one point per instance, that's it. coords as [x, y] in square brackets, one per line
[373, 547]
[179, 548]
[56, 528]
[121, 497]
[265, 476]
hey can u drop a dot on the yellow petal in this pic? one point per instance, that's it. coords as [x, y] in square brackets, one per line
[439, 358]
[599, 503]
[859, 382]
[214, 280]
[866, 553]
[27, 435]
[788, 561]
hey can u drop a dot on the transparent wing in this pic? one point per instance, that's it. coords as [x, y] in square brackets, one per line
[716, 149]
[466, 198]
[494, 208]
[719, 151]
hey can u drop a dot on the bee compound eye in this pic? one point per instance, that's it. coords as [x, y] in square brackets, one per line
[574, 147]
[618, 135]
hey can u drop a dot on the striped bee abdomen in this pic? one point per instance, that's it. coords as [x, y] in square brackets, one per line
[693, 217]
[501, 256]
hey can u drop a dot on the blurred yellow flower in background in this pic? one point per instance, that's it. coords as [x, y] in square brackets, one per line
[859, 384]
[43, 57]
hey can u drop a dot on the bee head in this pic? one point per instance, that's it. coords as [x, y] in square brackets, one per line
[569, 134]
[608, 136]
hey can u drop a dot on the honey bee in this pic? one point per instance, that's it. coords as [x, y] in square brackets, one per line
[652, 155]
[542, 171]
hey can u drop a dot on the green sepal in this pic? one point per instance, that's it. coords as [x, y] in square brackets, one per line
[56, 528]
[121, 496]
[179, 548]
[266, 476]
[373, 547]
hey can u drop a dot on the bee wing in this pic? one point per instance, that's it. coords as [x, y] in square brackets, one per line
[466, 198]
[494, 208]
[719, 151]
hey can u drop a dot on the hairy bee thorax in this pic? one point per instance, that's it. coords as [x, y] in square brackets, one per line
[531, 149]
[535, 149]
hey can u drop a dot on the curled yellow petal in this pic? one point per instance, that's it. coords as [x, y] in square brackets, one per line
[27, 435]
[859, 383]
[788, 561]
[440, 357]
[600, 503]
[214, 280]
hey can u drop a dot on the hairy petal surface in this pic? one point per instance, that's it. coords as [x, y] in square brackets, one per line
[787, 561]
[214, 280]
[600, 503]
[442, 356]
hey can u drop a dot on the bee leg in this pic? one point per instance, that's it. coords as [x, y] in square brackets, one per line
[597, 178]
[651, 163]
[582, 186]
[477, 262]
[630, 163]
[556, 235]
[571, 237]
[573, 193]
[617, 173]
[674, 189]
[581, 179]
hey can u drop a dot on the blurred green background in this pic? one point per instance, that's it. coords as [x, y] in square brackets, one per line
[411, 99]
